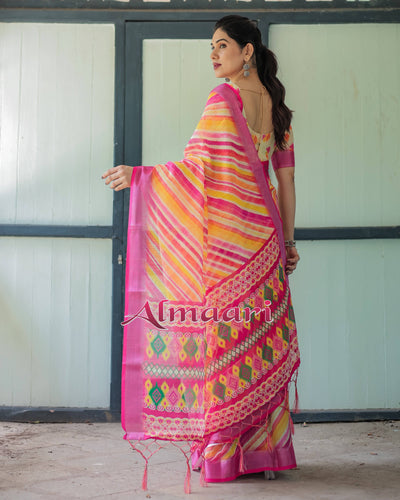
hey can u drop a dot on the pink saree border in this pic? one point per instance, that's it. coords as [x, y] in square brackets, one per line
[134, 332]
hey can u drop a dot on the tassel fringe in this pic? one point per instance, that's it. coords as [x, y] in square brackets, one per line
[144, 481]
[145, 451]
[296, 395]
[187, 479]
[203, 481]
[291, 425]
[187, 453]
[269, 442]
[241, 460]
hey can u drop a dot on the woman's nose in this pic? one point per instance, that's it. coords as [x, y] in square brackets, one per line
[213, 55]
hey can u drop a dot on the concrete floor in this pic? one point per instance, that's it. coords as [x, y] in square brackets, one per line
[66, 461]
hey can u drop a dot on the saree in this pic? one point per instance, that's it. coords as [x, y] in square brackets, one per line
[210, 342]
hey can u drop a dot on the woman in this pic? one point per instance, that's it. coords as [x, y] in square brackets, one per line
[210, 343]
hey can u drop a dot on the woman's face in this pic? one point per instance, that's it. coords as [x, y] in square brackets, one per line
[226, 54]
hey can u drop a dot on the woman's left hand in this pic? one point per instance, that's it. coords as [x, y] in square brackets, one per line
[120, 177]
[292, 258]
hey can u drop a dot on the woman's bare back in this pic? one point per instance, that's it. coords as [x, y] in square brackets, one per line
[257, 105]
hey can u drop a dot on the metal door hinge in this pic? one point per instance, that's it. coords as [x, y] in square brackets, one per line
[120, 259]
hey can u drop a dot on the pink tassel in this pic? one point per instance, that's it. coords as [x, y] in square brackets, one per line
[269, 442]
[187, 479]
[144, 482]
[203, 481]
[296, 396]
[291, 424]
[296, 400]
[241, 461]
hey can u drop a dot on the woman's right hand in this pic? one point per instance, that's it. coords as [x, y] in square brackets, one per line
[119, 177]
[292, 258]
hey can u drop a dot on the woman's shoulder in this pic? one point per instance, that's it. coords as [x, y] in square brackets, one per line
[227, 92]
[226, 88]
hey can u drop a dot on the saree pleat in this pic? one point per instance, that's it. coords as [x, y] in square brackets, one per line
[210, 342]
[264, 443]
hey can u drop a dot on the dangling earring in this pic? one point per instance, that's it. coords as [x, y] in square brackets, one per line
[246, 68]
[227, 80]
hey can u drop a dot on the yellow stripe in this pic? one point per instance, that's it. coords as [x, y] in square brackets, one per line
[231, 450]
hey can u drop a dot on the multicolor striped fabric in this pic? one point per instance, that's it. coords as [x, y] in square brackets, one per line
[205, 240]
[212, 200]
[266, 446]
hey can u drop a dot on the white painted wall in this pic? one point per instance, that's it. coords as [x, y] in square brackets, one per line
[57, 124]
[345, 295]
[57, 128]
[343, 81]
[177, 78]
[55, 309]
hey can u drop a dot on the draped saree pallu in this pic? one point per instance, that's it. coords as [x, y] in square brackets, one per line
[210, 342]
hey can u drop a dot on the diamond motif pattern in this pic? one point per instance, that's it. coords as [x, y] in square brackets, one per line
[268, 293]
[224, 331]
[173, 396]
[219, 390]
[238, 355]
[251, 340]
[233, 382]
[285, 333]
[189, 397]
[156, 395]
[267, 353]
[245, 372]
[190, 347]
[158, 345]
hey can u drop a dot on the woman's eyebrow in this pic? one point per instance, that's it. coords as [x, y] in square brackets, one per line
[220, 40]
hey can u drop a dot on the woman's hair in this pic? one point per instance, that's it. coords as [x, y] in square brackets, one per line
[244, 31]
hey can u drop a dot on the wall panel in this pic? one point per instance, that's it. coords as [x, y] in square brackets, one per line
[57, 109]
[55, 300]
[177, 78]
[345, 300]
[343, 83]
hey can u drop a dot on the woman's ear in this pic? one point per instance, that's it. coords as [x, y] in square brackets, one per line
[248, 51]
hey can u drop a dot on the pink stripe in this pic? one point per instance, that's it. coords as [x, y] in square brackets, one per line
[238, 213]
[217, 470]
[233, 188]
[218, 142]
[178, 201]
[227, 138]
[184, 181]
[232, 208]
[173, 225]
[189, 248]
[224, 155]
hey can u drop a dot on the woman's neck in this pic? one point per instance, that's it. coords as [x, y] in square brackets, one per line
[251, 82]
